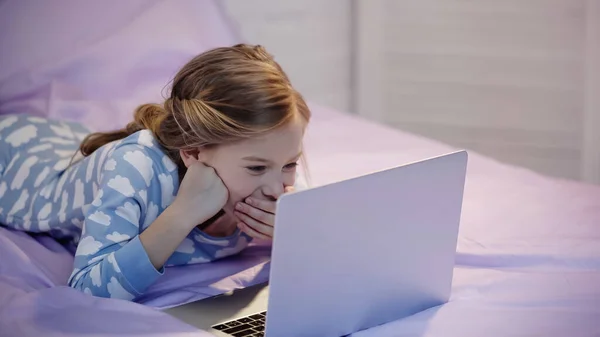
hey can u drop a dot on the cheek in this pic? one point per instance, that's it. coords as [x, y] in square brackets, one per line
[240, 186]
[289, 178]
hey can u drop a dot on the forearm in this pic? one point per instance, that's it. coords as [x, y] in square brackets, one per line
[165, 234]
[130, 269]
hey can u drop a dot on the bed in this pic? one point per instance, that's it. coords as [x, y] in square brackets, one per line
[528, 254]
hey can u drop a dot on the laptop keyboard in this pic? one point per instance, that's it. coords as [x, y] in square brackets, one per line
[249, 326]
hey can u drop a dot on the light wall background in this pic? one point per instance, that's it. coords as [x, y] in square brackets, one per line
[517, 80]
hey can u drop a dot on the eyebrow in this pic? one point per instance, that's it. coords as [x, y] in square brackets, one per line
[263, 160]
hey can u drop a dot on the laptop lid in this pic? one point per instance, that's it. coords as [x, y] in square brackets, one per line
[366, 251]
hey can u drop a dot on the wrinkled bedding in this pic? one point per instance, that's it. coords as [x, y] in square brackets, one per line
[528, 258]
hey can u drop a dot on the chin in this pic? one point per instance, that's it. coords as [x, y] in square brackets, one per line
[228, 208]
[230, 205]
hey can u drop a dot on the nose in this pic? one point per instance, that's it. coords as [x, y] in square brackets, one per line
[273, 190]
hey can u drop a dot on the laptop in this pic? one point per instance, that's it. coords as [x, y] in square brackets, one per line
[350, 255]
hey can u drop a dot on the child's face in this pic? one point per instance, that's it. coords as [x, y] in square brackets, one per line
[262, 167]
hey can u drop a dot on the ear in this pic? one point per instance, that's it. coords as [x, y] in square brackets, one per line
[189, 156]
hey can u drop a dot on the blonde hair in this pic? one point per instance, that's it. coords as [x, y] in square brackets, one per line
[224, 95]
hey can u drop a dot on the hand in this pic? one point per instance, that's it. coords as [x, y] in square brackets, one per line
[201, 194]
[257, 216]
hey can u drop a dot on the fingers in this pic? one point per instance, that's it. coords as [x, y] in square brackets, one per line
[265, 205]
[208, 172]
[254, 228]
[256, 213]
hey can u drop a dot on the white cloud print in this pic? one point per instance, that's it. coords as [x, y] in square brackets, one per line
[40, 148]
[151, 214]
[3, 188]
[116, 290]
[167, 188]
[45, 211]
[117, 237]
[78, 196]
[100, 217]
[168, 163]
[62, 131]
[22, 135]
[122, 185]
[201, 238]
[145, 138]
[23, 173]
[96, 259]
[8, 122]
[142, 163]
[62, 164]
[95, 275]
[113, 261]
[98, 200]
[20, 204]
[129, 212]
[144, 195]
[186, 247]
[57, 140]
[200, 259]
[239, 246]
[41, 176]
[88, 246]
[110, 165]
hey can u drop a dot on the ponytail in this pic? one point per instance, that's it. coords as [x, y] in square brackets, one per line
[146, 116]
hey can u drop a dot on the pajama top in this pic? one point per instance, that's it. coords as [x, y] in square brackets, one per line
[100, 203]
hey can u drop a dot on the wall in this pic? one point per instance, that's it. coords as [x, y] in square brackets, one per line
[517, 80]
[590, 170]
[504, 78]
[311, 40]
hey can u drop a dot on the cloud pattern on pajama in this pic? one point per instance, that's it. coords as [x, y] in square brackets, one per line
[98, 204]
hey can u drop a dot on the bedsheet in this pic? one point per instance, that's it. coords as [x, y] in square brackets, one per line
[528, 256]
[35, 299]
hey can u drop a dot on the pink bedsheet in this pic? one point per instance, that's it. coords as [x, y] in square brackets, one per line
[528, 260]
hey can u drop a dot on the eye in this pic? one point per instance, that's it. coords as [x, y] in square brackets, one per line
[290, 166]
[256, 169]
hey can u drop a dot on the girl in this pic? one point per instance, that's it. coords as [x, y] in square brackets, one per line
[189, 181]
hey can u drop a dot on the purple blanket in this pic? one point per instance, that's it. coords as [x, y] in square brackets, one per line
[35, 300]
[528, 259]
